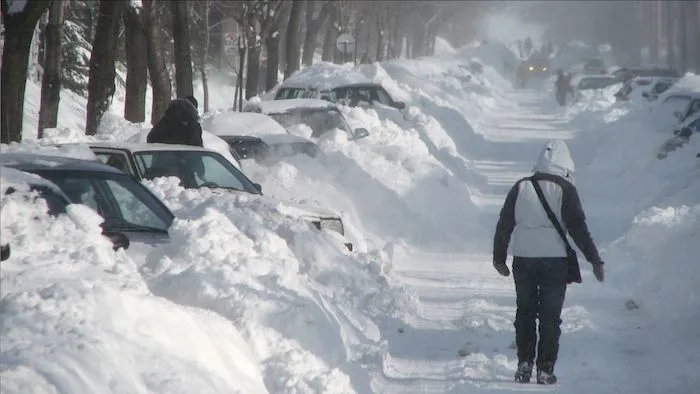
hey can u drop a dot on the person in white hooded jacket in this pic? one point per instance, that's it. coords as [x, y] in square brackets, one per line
[540, 256]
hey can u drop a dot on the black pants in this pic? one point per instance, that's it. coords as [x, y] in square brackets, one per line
[540, 285]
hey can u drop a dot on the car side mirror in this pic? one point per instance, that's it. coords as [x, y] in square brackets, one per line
[678, 115]
[360, 133]
[399, 105]
[119, 240]
[258, 186]
[4, 252]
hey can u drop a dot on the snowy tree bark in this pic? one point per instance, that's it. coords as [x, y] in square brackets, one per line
[183, 57]
[102, 72]
[136, 65]
[330, 36]
[158, 72]
[202, 41]
[313, 27]
[51, 80]
[19, 30]
[272, 45]
[292, 40]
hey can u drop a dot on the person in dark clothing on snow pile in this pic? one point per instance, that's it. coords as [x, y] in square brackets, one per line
[540, 263]
[179, 125]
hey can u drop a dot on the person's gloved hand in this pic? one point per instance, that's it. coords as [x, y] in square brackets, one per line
[598, 271]
[502, 268]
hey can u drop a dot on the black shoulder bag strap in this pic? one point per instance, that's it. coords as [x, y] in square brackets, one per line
[573, 271]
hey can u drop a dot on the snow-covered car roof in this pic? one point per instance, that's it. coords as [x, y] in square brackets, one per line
[12, 177]
[148, 147]
[35, 162]
[243, 123]
[285, 106]
[325, 76]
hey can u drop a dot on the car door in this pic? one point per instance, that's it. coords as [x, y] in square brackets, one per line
[117, 158]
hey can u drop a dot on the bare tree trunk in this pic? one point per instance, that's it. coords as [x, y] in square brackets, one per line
[272, 45]
[253, 69]
[51, 80]
[313, 27]
[102, 73]
[670, 36]
[158, 72]
[136, 66]
[683, 32]
[381, 32]
[292, 40]
[19, 31]
[181, 40]
[216, 40]
[329, 39]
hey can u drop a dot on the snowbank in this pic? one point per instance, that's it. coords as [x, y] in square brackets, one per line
[76, 317]
[308, 309]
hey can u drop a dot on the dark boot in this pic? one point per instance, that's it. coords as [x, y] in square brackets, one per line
[545, 376]
[524, 372]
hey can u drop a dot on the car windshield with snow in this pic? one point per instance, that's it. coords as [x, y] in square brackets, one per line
[319, 116]
[198, 168]
[353, 94]
[256, 136]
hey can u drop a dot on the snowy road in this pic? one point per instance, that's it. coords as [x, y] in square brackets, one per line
[462, 340]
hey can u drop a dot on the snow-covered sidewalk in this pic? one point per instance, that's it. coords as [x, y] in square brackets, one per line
[462, 340]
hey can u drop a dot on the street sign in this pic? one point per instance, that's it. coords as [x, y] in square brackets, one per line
[345, 44]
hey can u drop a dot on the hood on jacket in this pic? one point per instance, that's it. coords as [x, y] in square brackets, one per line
[178, 107]
[555, 159]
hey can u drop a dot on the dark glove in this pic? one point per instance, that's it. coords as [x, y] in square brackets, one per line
[598, 271]
[502, 268]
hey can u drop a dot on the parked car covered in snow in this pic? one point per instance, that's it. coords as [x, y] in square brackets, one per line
[682, 135]
[132, 213]
[319, 115]
[675, 108]
[196, 168]
[595, 66]
[354, 94]
[624, 74]
[258, 137]
[648, 88]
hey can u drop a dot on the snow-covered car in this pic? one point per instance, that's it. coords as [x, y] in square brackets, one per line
[319, 115]
[595, 66]
[625, 74]
[675, 108]
[259, 137]
[200, 167]
[132, 214]
[589, 82]
[648, 88]
[354, 94]
[681, 136]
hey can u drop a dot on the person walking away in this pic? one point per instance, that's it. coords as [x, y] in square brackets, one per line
[179, 125]
[540, 249]
[561, 88]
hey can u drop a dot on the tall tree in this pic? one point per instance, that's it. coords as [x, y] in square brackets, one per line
[313, 26]
[331, 35]
[51, 80]
[136, 64]
[202, 40]
[19, 19]
[102, 60]
[292, 39]
[183, 57]
[158, 72]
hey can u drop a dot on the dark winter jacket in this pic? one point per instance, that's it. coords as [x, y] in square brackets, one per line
[179, 125]
[523, 216]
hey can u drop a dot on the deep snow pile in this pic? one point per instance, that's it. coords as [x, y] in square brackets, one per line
[648, 208]
[76, 317]
[309, 310]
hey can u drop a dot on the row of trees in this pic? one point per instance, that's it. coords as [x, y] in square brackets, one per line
[167, 43]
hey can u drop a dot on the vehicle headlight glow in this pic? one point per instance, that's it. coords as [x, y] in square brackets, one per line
[544, 68]
[532, 68]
